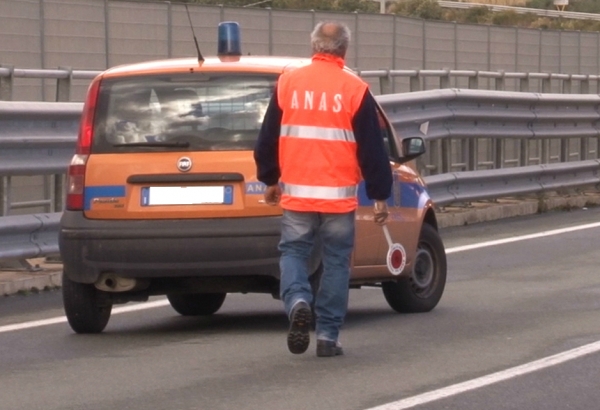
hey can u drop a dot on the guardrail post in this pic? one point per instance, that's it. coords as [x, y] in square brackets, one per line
[584, 86]
[415, 82]
[584, 147]
[59, 193]
[524, 84]
[545, 154]
[4, 196]
[445, 151]
[385, 85]
[566, 86]
[524, 153]
[500, 86]
[63, 86]
[546, 85]
[472, 150]
[434, 156]
[474, 82]
[564, 150]
[6, 84]
[498, 153]
[445, 79]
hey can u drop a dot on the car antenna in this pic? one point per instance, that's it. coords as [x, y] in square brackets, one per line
[200, 58]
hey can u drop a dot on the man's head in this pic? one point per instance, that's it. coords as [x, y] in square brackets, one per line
[330, 37]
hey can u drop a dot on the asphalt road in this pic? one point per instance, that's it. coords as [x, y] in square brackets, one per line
[507, 308]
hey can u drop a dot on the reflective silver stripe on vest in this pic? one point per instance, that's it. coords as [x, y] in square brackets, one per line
[319, 133]
[320, 192]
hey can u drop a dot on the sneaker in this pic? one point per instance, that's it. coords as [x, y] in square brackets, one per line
[298, 336]
[328, 348]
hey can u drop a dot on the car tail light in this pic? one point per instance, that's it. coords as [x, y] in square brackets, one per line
[76, 173]
[75, 182]
[86, 126]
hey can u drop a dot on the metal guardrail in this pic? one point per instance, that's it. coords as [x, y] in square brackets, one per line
[474, 79]
[28, 236]
[442, 79]
[523, 10]
[36, 138]
[472, 130]
[64, 78]
[471, 186]
[532, 121]
[468, 136]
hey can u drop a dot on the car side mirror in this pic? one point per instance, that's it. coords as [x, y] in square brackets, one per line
[412, 148]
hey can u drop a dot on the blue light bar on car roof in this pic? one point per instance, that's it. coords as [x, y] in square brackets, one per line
[229, 39]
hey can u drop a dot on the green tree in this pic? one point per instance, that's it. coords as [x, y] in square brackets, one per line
[302, 5]
[477, 15]
[505, 18]
[584, 6]
[431, 10]
[425, 9]
[540, 4]
[335, 5]
[367, 6]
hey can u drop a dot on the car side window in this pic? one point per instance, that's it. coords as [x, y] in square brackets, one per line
[388, 136]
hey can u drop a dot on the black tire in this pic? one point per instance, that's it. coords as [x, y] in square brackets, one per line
[87, 310]
[196, 304]
[422, 291]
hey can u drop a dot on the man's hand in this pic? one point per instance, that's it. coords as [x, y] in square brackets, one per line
[380, 212]
[273, 194]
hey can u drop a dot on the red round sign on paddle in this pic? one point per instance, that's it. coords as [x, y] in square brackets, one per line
[396, 255]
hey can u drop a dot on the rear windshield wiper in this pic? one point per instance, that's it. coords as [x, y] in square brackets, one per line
[163, 144]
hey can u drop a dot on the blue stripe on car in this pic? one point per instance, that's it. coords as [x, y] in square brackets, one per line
[412, 195]
[105, 191]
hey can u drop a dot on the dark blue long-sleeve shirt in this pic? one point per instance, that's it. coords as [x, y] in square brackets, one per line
[372, 157]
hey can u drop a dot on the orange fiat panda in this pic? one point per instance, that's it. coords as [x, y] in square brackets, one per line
[163, 197]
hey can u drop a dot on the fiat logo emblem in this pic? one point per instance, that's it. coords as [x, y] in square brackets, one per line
[184, 164]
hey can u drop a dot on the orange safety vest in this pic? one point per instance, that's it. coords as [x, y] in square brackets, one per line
[317, 149]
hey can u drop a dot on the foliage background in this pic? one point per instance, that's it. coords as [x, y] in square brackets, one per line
[431, 10]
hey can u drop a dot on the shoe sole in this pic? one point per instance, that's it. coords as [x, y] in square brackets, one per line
[330, 352]
[298, 336]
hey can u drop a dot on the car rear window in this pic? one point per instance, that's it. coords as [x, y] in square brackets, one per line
[197, 112]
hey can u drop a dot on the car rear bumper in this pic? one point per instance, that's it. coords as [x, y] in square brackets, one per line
[168, 248]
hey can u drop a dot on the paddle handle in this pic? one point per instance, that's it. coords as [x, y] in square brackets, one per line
[386, 232]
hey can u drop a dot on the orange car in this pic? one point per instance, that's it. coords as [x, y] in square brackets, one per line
[163, 197]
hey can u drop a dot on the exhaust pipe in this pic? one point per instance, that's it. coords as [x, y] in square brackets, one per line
[110, 282]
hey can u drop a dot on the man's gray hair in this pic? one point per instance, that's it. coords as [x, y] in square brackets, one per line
[330, 37]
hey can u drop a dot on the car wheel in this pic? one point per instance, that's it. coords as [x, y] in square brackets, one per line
[86, 309]
[196, 304]
[422, 290]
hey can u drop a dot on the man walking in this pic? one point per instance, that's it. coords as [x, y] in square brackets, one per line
[320, 135]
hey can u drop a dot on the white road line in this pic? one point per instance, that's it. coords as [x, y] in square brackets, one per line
[490, 378]
[521, 238]
[63, 319]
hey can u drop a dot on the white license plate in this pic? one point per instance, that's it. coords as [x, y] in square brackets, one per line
[187, 195]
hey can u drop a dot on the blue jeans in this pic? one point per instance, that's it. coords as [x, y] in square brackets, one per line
[298, 236]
